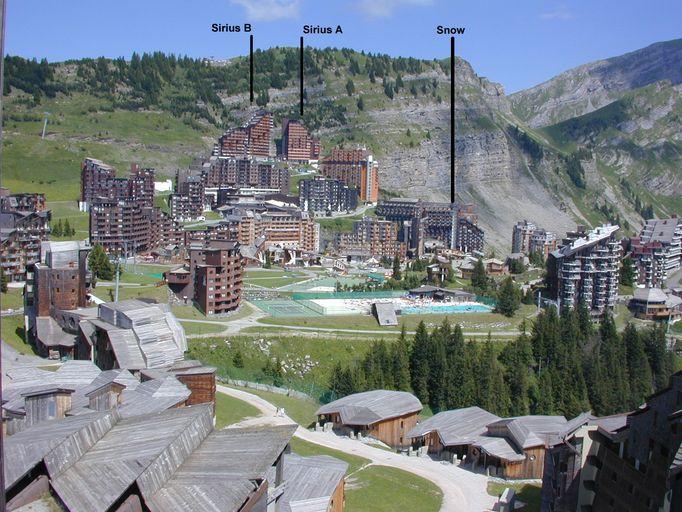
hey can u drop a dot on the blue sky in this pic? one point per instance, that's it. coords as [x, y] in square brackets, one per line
[518, 43]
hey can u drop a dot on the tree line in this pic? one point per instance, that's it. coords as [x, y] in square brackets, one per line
[564, 365]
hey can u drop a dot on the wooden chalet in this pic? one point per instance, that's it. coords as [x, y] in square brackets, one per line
[382, 414]
[504, 447]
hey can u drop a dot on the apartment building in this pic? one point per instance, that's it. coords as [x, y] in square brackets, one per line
[356, 168]
[59, 282]
[29, 202]
[21, 234]
[453, 226]
[667, 232]
[213, 278]
[24, 224]
[123, 218]
[521, 235]
[527, 238]
[650, 260]
[324, 196]
[188, 203]
[96, 178]
[371, 237]
[252, 140]
[219, 172]
[542, 242]
[630, 461]
[297, 144]
[586, 268]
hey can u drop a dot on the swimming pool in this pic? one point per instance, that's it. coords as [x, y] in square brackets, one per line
[440, 309]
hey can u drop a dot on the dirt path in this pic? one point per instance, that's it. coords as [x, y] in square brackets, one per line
[463, 491]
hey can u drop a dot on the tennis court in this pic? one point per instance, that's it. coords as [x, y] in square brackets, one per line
[283, 307]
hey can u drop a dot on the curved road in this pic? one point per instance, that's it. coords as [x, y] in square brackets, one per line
[463, 491]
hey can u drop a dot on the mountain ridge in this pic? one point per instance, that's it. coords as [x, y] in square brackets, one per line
[556, 175]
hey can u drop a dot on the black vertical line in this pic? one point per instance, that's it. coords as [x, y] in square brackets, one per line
[251, 67]
[301, 77]
[452, 120]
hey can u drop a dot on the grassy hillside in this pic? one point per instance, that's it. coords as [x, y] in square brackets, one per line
[162, 111]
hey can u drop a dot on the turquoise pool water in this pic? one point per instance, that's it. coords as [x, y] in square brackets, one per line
[440, 309]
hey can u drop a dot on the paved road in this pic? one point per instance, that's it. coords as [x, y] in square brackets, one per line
[463, 491]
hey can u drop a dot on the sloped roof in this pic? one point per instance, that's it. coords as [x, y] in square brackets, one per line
[24, 450]
[385, 312]
[529, 431]
[50, 333]
[217, 475]
[141, 450]
[649, 295]
[310, 482]
[456, 427]
[499, 447]
[372, 406]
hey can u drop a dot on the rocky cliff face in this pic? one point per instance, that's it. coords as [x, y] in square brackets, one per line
[591, 86]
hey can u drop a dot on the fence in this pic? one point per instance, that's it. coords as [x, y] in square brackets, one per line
[380, 294]
[488, 301]
[314, 393]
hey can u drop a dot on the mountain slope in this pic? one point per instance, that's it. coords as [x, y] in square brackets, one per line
[591, 86]
[615, 163]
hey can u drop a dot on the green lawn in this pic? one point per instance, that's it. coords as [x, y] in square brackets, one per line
[12, 331]
[301, 411]
[202, 328]
[528, 493]
[68, 210]
[377, 488]
[306, 449]
[77, 129]
[158, 293]
[308, 361]
[193, 313]
[274, 282]
[13, 299]
[386, 489]
[229, 410]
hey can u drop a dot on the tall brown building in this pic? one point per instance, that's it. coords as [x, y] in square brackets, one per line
[222, 172]
[356, 168]
[297, 144]
[58, 283]
[213, 280]
[630, 461]
[95, 179]
[21, 233]
[371, 237]
[254, 139]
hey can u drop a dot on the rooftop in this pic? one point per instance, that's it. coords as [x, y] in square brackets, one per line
[372, 406]
[459, 426]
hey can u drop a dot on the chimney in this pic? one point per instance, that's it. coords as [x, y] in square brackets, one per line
[105, 397]
[46, 404]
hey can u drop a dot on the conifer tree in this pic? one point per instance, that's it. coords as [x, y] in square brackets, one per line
[397, 275]
[508, 299]
[545, 399]
[660, 360]
[99, 263]
[401, 362]
[419, 363]
[238, 359]
[479, 279]
[638, 366]
[3, 280]
[517, 358]
[57, 228]
[612, 353]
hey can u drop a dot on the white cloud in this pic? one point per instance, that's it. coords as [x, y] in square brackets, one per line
[384, 8]
[561, 13]
[269, 10]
